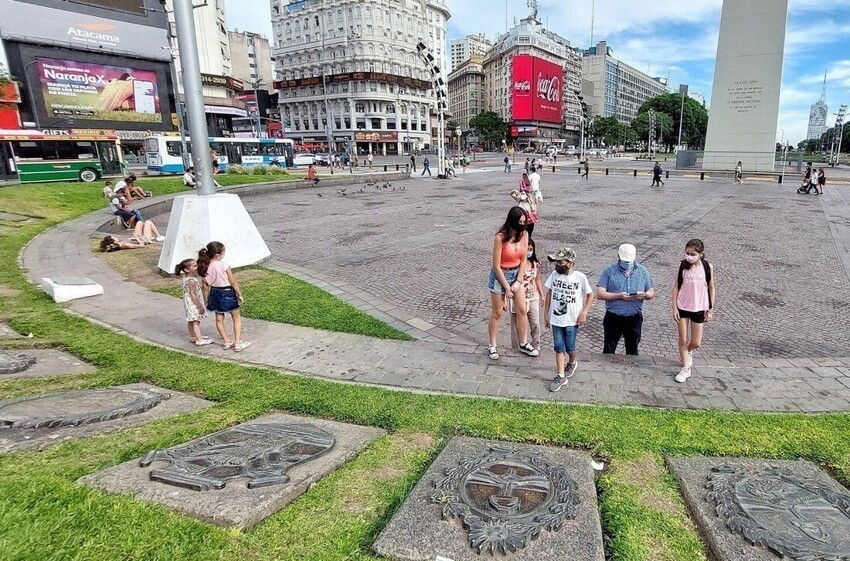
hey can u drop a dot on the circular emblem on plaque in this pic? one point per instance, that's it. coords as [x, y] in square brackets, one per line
[76, 407]
[504, 499]
[12, 364]
[788, 514]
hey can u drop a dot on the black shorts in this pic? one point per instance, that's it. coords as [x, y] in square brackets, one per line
[696, 317]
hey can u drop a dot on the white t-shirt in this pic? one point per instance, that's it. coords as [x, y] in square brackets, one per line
[188, 178]
[535, 181]
[568, 295]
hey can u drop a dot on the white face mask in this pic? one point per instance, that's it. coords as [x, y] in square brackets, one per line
[691, 258]
[530, 254]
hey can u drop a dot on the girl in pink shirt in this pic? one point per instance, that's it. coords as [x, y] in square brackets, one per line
[222, 294]
[693, 300]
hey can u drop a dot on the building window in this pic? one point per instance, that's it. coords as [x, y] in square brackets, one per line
[359, 107]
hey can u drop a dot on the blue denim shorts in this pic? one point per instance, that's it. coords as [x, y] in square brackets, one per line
[222, 300]
[565, 338]
[495, 286]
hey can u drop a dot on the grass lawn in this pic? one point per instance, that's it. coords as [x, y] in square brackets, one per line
[44, 514]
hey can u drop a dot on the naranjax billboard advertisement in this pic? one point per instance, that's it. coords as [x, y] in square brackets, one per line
[537, 90]
[97, 92]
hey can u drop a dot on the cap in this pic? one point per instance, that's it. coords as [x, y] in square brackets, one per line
[564, 254]
[627, 252]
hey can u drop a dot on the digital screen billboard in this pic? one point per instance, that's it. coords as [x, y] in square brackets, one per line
[98, 92]
[537, 90]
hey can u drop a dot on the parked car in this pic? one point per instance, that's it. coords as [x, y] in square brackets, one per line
[304, 159]
[322, 159]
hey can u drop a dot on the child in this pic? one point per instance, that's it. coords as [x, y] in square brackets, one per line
[223, 293]
[568, 300]
[533, 289]
[693, 300]
[193, 300]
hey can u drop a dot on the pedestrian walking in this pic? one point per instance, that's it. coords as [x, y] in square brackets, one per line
[739, 173]
[624, 286]
[525, 184]
[527, 165]
[193, 300]
[369, 159]
[510, 247]
[821, 181]
[464, 162]
[507, 161]
[526, 202]
[533, 291]
[586, 165]
[809, 180]
[693, 301]
[568, 300]
[223, 294]
[657, 170]
[426, 166]
[534, 179]
[412, 163]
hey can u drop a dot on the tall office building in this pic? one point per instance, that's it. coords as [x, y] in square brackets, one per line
[466, 91]
[251, 59]
[350, 68]
[460, 50]
[612, 87]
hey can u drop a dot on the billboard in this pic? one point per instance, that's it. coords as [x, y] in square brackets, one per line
[98, 92]
[537, 90]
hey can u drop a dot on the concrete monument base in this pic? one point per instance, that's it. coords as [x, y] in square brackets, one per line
[196, 220]
[65, 289]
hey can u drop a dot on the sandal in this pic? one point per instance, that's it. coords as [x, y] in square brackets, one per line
[203, 341]
[228, 345]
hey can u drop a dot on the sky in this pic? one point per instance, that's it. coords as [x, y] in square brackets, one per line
[675, 39]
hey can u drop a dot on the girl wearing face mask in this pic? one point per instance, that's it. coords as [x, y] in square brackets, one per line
[693, 300]
[533, 289]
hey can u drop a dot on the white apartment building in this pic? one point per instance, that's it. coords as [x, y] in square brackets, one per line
[530, 37]
[251, 59]
[349, 69]
[460, 50]
[220, 88]
[466, 91]
[612, 87]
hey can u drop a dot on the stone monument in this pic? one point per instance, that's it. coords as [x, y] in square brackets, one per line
[747, 77]
[759, 510]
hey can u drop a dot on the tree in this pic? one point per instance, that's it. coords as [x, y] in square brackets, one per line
[664, 129]
[607, 129]
[490, 127]
[694, 118]
[451, 132]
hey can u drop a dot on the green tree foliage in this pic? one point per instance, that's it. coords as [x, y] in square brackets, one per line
[694, 119]
[666, 131]
[489, 126]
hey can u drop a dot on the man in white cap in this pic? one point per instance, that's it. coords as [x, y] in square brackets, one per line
[624, 286]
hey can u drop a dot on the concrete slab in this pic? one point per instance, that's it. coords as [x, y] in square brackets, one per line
[43, 420]
[7, 332]
[65, 289]
[509, 501]
[763, 510]
[47, 363]
[243, 477]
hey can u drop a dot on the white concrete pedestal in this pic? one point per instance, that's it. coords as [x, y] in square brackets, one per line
[65, 289]
[197, 220]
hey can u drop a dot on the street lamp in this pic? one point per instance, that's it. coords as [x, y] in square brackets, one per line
[683, 89]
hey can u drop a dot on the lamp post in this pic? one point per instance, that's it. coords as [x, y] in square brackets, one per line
[839, 125]
[328, 120]
[650, 133]
[782, 140]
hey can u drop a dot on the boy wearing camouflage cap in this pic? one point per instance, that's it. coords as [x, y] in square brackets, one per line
[568, 299]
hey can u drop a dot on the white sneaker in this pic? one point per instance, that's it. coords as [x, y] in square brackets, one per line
[690, 359]
[683, 375]
[160, 238]
[492, 352]
[528, 349]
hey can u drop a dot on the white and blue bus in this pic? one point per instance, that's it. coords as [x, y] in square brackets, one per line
[164, 154]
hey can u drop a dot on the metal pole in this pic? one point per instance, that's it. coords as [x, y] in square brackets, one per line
[29, 91]
[329, 126]
[581, 148]
[681, 115]
[188, 45]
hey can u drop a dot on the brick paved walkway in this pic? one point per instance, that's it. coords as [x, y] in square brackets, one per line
[414, 258]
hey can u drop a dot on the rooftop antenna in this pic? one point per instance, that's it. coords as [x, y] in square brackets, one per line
[592, 13]
[823, 91]
[533, 5]
[506, 17]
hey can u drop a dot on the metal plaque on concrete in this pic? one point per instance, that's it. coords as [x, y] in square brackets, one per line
[745, 92]
[491, 499]
[14, 363]
[760, 510]
[241, 475]
[45, 419]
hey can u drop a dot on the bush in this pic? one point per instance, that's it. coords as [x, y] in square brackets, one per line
[276, 170]
[237, 170]
[260, 170]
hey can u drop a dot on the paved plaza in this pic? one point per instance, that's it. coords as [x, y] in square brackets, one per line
[416, 254]
[780, 261]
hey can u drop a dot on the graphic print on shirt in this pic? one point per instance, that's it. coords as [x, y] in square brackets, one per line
[564, 293]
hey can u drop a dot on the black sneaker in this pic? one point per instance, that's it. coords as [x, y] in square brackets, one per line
[528, 349]
[557, 383]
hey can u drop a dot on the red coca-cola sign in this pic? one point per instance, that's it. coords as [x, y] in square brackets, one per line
[537, 90]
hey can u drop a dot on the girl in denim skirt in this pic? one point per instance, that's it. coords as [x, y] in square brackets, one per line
[222, 294]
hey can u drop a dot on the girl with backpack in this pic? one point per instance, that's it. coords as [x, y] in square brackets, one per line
[693, 301]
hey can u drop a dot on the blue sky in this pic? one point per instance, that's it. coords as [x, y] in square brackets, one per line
[675, 38]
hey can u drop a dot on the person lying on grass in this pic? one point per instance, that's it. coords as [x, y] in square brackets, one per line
[144, 233]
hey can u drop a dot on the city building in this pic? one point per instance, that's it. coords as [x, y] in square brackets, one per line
[251, 59]
[613, 88]
[221, 88]
[817, 115]
[531, 76]
[87, 65]
[350, 70]
[460, 50]
[466, 91]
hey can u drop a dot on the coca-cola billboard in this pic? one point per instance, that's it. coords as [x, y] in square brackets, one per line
[537, 90]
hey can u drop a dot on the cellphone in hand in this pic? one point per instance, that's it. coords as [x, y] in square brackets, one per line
[633, 293]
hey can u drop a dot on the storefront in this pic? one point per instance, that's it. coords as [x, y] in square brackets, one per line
[377, 143]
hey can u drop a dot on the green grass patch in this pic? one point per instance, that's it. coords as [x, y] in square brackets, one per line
[45, 514]
[274, 296]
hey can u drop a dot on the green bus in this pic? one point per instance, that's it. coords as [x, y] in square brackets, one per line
[32, 156]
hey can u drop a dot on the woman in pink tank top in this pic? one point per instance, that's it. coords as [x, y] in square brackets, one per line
[693, 301]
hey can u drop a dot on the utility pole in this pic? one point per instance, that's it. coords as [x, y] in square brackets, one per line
[683, 90]
[187, 44]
